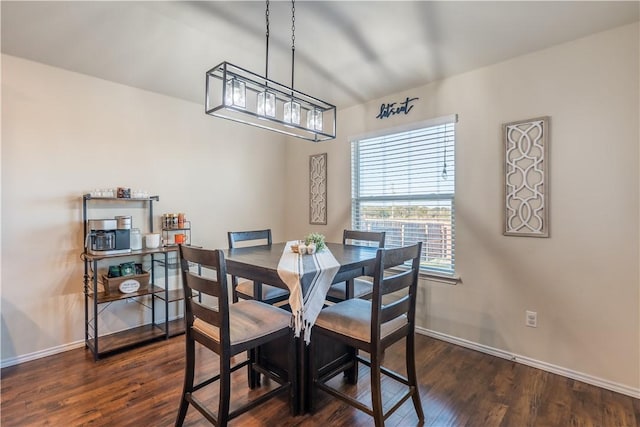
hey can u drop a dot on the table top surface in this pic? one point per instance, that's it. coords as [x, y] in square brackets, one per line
[268, 256]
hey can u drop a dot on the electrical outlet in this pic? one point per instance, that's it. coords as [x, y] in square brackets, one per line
[531, 319]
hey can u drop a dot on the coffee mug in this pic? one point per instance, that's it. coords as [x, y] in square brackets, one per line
[180, 238]
[152, 240]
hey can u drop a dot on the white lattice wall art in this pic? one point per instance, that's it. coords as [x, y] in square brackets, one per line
[318, 189]
[526, 180]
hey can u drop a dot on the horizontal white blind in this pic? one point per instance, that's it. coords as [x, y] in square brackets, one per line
[403, 184]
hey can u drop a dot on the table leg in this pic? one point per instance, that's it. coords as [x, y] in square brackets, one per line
[326, 355]
[304, 376]
[257, 295]
[351, 374]
[273, 358]
[348, 289]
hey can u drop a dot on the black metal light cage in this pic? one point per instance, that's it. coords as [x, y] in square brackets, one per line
[218, 76]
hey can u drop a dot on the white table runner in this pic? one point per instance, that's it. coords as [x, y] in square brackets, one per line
[308, 278]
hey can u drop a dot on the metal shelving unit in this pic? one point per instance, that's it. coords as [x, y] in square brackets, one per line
[96, 301]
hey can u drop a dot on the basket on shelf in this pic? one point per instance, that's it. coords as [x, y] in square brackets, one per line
[126, 284]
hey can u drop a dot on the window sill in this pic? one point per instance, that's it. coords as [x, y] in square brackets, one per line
[435, 277]
[441, 278]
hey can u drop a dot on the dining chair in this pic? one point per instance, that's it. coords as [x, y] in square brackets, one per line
[245, 288]
[370, 326]
[362, 288]
[227, 330]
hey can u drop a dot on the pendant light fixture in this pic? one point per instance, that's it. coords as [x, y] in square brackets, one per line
[292, 108]
[240, 95]
[267, 99]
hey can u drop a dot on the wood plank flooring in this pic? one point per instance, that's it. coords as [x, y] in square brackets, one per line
[458, 387]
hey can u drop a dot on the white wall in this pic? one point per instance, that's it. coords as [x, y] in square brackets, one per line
[583, 281]
[64, 134]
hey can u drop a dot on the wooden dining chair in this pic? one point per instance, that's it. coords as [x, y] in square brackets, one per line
[227, 330]
[370, 326]
[362, 288]
[245, 289]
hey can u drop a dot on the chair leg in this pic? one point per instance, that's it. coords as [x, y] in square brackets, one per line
[225, 391]
[351, 373]
[251, 374]
[256, 375]
[293, 377]
[412, 376]
[234, 290]
[188, 381]
[376, 390]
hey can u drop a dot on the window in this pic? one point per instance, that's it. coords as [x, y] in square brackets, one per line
[403, 183]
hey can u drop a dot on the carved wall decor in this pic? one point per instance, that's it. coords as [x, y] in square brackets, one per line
[526, 181]
[318, 189]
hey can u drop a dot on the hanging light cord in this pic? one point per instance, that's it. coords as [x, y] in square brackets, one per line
[444, 161]
[266, 71]
[293, 39]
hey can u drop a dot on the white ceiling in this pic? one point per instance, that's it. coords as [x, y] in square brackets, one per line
[347, 52]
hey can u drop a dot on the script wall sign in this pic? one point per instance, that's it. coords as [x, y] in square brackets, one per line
[391, 109]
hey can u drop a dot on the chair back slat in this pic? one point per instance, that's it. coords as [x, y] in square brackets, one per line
[205, 257]
[399, 256]
[395, 309]
[217, 316]
[207, 313]
[203, 284]
[396, 282]
[376, 237]
[235, 237]
[404, 280]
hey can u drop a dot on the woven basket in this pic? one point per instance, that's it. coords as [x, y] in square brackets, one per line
[112, 284]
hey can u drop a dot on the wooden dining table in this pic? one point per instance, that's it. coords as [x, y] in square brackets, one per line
[260, 264]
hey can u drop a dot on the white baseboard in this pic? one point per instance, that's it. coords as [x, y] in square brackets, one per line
[579, 376]
[40, 354]
[53, 350]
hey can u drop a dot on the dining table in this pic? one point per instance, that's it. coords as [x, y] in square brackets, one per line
[260, 265]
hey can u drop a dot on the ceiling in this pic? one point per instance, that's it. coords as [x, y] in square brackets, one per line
[347, 52]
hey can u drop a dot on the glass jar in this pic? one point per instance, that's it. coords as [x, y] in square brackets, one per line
[136, 239]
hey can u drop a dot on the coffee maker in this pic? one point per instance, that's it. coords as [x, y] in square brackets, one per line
[109, 236]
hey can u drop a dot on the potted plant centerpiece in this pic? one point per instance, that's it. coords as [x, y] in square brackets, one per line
[316, 241]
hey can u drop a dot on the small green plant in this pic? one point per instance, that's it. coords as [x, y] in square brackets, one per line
[317, 239]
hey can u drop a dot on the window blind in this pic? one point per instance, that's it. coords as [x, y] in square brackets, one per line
[403, 183]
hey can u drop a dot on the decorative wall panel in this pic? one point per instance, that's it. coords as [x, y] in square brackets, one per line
[526, 183]
[318, 189]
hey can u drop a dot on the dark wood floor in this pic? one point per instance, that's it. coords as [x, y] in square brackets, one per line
[458, 387]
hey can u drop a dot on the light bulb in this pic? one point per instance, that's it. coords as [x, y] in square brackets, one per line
[314, 119]
[235, 94]
[228, 93]
[292, 112]
[266, 104]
